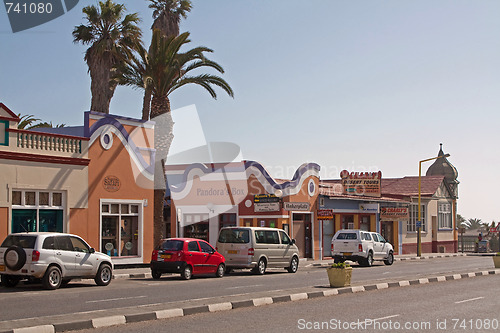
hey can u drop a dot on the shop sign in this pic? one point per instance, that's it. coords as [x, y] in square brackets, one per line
[494, 229]
[262, 198]
[361, 183]
[369, 208]
[298, 206]
[267, 207]
[325, 214]
[394, 213]
[111, 183]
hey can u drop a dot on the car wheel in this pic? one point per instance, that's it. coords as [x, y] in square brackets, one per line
[390, 259]
[294, 265]
[338, 260]
[229, 270]
[369, 260]
[220, 271]
[261, 267]
[14, 257]
[187, 272]
[104, 275]
[10, 281]
[156, 274]
[52, 278]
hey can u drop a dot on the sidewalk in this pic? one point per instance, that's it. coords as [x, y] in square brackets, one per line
[145, 272]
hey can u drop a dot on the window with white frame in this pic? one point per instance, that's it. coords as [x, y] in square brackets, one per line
[37, 210]
[121, 228]
[444, 216]
[413, 218]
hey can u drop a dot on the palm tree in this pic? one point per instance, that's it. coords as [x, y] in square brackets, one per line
[163, 70]
[112, 39]
[167, 17]
[474, 223]
[28, 122]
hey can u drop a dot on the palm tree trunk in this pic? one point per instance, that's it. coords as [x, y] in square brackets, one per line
[146, 104]
[160, 106]
[101, 86]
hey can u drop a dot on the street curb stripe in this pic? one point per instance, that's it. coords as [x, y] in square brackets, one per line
[301, 296]
[195, 310]
[262, 301]
[140, 317]
[108, 321]
[225, 306]
[220, 307]
[73, 326]
[170, 313]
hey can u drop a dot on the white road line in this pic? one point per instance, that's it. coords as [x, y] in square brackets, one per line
[255, 285]
[469, 300]
[386, 317]
[114, 299]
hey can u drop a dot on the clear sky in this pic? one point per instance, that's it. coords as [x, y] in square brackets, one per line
[358, 85]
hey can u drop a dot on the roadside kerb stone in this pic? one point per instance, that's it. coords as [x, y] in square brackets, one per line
[225, 306]
[108, 321]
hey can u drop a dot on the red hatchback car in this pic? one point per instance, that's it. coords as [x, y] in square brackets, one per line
[187, 256]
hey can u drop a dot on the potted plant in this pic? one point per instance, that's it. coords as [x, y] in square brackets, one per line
[339, 274]
[496, 260]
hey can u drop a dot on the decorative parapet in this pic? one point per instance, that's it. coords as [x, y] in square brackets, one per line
[32, 142]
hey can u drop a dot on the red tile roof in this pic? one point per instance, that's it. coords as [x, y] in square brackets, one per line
[392, 188]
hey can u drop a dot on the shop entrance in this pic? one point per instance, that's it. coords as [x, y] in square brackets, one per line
[328, 233]
[387, 231]
[302, 233]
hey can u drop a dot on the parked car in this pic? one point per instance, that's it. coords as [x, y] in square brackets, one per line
[361, 246]
[187, 256]
[55, 258]
[258, 248]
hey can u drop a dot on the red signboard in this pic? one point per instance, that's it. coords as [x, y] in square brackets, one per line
[325, 214]
[361, 183]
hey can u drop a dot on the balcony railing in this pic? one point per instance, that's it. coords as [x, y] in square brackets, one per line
[48, 142]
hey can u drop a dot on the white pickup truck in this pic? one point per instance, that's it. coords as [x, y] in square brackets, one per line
[361, 246]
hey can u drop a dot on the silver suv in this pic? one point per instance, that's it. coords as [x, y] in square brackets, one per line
[361, 246]
[55, 258]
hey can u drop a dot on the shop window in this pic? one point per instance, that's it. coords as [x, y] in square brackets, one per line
[364, 223]
[4, 134]
[444, 216]
[227, 220]
[30, 211]
[57, 199]
[29, 198]
[16, 198]
[134, 209]
[413, 218]
[43, 198]
[115, 209]
[120, 230]
[347, 221]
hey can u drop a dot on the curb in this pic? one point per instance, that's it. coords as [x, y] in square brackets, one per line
[226, 306]
[396, 258]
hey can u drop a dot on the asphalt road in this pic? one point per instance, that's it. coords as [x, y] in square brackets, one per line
[87, 298]
[468, 305]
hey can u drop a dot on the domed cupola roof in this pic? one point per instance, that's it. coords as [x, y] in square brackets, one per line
[442, 167]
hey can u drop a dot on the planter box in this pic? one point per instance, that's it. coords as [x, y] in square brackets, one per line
[340, 277]
[496, 261]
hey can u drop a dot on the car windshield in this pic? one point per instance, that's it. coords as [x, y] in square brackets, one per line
[234, 236]
[24, 241]
[347, 235]
[172, 245]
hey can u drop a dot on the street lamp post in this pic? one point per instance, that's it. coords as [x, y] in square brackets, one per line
[419, 221]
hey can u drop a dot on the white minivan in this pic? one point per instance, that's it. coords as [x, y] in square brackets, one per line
[257, 248]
